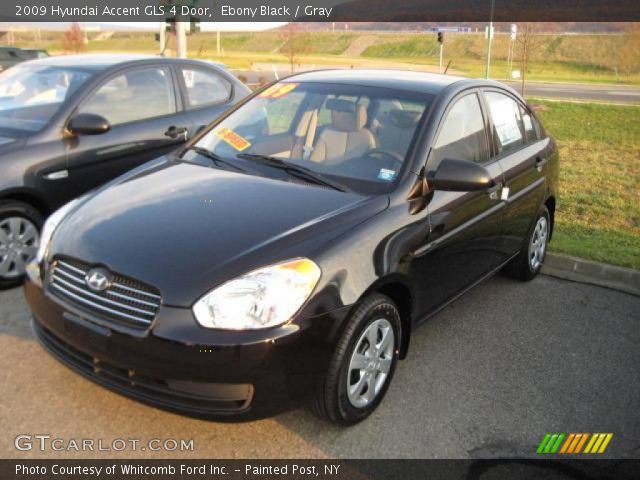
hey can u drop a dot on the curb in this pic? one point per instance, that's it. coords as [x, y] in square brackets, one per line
[593, 273]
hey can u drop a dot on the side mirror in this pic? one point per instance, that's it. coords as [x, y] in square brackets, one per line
[88, 124]
[460, 176]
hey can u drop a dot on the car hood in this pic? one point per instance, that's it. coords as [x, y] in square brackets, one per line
[185, 228]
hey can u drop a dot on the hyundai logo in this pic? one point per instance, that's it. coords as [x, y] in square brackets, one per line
[98, 279]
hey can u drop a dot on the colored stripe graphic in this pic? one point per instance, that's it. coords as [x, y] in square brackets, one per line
[594, 437]
[570, 438]
[551, 443]
[573, 443]
[605, 443]
[544, 442]
[556, 446]
[598, 443]
[581, 443]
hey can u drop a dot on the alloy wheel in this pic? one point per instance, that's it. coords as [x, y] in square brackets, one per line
[538, 243]
[19, 240]
[370, 363]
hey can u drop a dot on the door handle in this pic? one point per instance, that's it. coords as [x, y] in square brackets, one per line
[175, 132]
[541, 162]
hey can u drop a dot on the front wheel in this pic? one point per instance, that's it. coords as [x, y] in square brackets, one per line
[20, 226]
[363, 363]
[529, 262]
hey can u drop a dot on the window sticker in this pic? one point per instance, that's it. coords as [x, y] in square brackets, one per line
[386, 174]
[528, 126]
[232, 138]
[278, 90]
[505, 121]
[189, 79]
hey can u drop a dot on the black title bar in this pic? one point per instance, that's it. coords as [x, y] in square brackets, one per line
[318, 469]
[319, 10]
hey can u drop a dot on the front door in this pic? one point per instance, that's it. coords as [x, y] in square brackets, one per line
[140, 105]
[465, 227]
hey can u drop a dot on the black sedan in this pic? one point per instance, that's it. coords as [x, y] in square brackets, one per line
[69, 124]
[289, 251]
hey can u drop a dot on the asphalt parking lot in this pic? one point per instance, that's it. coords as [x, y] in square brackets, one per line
[486, 377]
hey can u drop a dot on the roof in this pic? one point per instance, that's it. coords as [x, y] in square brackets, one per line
[110, 60]
[89, 60]
[430, 83]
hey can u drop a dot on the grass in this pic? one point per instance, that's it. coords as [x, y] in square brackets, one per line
[598, 210]
[575, 58]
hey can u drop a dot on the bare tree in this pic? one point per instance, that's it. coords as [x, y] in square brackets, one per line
[73, 39]
[527, 41]
[295, 43]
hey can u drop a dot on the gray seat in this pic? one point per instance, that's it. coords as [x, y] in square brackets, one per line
[346, 137]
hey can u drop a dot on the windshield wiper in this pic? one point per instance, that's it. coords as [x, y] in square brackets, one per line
[215, 158]
[292, 169]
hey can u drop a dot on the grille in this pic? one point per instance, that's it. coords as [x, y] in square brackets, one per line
[125, 301]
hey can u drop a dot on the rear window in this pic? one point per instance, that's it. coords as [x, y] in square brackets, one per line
[204, 88]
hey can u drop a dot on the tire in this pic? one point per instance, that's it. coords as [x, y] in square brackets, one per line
[376, 313]
[530, 259]
[20, 226]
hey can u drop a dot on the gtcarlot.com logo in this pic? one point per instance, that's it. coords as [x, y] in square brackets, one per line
[573, 443]
[46, 442]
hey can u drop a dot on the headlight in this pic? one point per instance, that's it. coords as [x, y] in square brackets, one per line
[50, 226]
[263, 298]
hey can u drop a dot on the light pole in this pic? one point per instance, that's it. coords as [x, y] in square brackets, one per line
[441, 42]
[181, 38]
[162, 37]
[490, 38]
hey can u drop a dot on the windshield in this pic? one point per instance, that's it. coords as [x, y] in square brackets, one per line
[355, 136]
[30, 95]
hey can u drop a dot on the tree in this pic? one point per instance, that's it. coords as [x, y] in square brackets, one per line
[295, 43]
[527, 42]
[73, 39]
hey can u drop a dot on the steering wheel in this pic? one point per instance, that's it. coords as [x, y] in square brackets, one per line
[381, 154]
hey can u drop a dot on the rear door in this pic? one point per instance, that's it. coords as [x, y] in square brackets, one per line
[147, 121]
[206, 94]
[523, 158]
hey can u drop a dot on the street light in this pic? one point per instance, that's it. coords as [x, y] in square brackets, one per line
[490, 38]
[441, 42]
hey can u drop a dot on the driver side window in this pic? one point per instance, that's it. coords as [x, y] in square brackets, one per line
[462, 135]
[135, 95]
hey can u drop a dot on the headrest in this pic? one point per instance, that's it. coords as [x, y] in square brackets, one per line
[340, 105]
[404, 118]
[347, 116]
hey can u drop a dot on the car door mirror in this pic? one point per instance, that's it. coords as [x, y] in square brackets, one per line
[459, 176]
[88, 124]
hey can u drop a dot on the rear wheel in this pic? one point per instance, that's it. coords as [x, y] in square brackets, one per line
[363, 364]
[529, 262]
[20, 226]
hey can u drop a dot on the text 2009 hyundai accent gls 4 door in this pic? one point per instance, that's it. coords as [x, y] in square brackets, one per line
[289, 251]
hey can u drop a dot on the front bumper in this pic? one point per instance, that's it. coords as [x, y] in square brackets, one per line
[240, 374]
